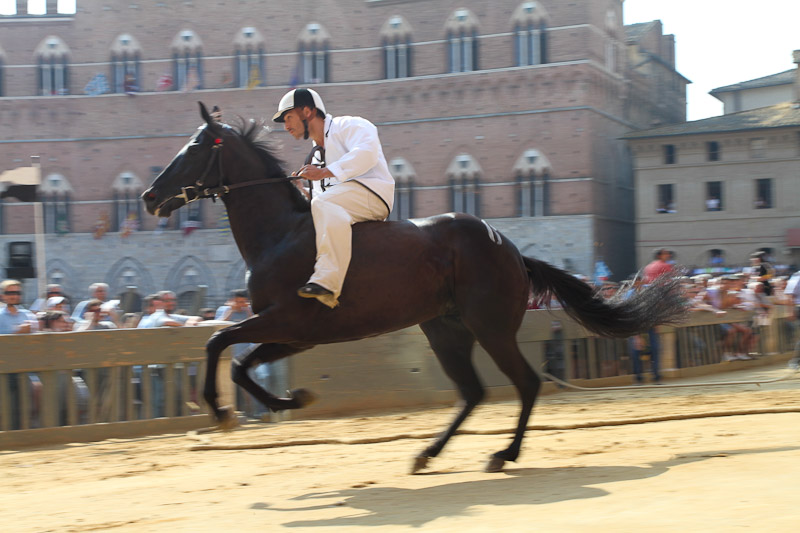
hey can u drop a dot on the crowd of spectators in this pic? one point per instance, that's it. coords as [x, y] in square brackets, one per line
[54, 311]
[756, 288]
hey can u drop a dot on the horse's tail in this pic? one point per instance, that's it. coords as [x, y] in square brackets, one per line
[661, 302]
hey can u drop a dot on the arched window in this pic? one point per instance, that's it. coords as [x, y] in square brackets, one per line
[530, 34]
[404, 175]
[187, 61]
[248, 59]
[462, 41]
[532, 171]
[52, 57]
[54, 193]
[125, 72]
[396, 36]
[313, 63]
[464, 174]
[127, 207]
[716, 259]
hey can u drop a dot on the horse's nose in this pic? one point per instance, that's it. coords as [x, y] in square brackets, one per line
[149, 195]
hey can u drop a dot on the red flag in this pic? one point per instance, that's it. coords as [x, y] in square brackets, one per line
[164, 83]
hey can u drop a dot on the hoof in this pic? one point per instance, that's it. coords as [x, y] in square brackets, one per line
[226, 418]
[420, 463]
[302, 398]
[495, 465]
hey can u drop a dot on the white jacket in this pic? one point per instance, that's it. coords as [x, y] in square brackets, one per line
[353, 152]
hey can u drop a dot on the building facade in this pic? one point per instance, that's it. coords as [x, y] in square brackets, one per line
[718, 189]
[512, 111]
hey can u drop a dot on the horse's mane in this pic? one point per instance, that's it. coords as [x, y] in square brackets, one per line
[256, 135]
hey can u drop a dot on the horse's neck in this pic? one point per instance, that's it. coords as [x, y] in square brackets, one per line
[260, 218]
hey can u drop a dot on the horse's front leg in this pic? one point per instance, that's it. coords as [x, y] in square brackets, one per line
[255, 329]
[269, 353]
[214, 347]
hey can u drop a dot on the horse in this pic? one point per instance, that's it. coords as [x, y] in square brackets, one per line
[453, 274]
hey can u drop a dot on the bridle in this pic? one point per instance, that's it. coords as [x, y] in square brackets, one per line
[200, 191]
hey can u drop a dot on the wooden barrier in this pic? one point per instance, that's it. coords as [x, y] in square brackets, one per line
[166, 364]
[139, 382]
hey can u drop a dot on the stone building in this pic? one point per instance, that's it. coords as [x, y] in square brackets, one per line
[510, 110]
[718, 189]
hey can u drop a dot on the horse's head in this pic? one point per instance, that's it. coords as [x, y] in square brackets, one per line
[193, 171]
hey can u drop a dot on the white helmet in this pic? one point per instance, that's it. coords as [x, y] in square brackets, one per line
[298, 98]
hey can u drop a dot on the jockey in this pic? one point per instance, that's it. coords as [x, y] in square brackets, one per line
[355, 184]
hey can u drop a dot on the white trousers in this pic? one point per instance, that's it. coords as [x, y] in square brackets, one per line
[334, 212]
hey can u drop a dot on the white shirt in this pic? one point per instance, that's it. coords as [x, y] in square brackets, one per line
[353, 152]
[793, 287]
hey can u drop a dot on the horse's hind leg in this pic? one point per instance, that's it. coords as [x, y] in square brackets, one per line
[268, 353]
[452, 343]
[502, 347]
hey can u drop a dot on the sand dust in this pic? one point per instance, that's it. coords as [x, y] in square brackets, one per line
[706, 474]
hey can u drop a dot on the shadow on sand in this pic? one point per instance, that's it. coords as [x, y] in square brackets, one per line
[382, 506]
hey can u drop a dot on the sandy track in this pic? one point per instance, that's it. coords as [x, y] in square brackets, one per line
[704, 474]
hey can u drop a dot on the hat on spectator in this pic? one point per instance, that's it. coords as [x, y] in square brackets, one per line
[54, 301]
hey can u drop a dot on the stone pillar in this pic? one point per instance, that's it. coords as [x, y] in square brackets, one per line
[52, 7]
[22, 7]
[796, 59]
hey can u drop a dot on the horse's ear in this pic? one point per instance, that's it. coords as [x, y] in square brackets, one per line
[204, 113]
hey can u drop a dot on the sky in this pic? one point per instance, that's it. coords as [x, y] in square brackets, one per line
[721, 42]
[717, 42]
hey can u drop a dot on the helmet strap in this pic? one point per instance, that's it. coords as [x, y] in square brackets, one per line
[305, 129]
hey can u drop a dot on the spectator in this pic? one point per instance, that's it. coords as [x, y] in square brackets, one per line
[56, 303]
[152, 303]
[96, 316]
[793, 290]
[13, 317]
[236, 309]
[554, 352]
[97, 291]
[54, 321]
[761, 270]
[736, 337]
[53, 290]
[754, 298]
[638, 346]
[167, 317]
[658, 266]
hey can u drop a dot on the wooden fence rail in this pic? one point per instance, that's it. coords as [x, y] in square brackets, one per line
[84, 386]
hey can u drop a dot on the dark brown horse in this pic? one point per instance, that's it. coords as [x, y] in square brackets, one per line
[453, 274]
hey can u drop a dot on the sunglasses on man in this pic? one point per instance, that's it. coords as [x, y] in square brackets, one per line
[13, 293]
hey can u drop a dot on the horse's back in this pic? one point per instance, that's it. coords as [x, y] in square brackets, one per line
[442, 254]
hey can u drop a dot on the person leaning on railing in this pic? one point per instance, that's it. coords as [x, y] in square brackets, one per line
[13, 317]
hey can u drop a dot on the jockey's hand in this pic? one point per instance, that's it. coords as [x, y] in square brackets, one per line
[313, 173]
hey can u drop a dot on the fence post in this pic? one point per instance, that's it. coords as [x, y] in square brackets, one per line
[666, 338]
